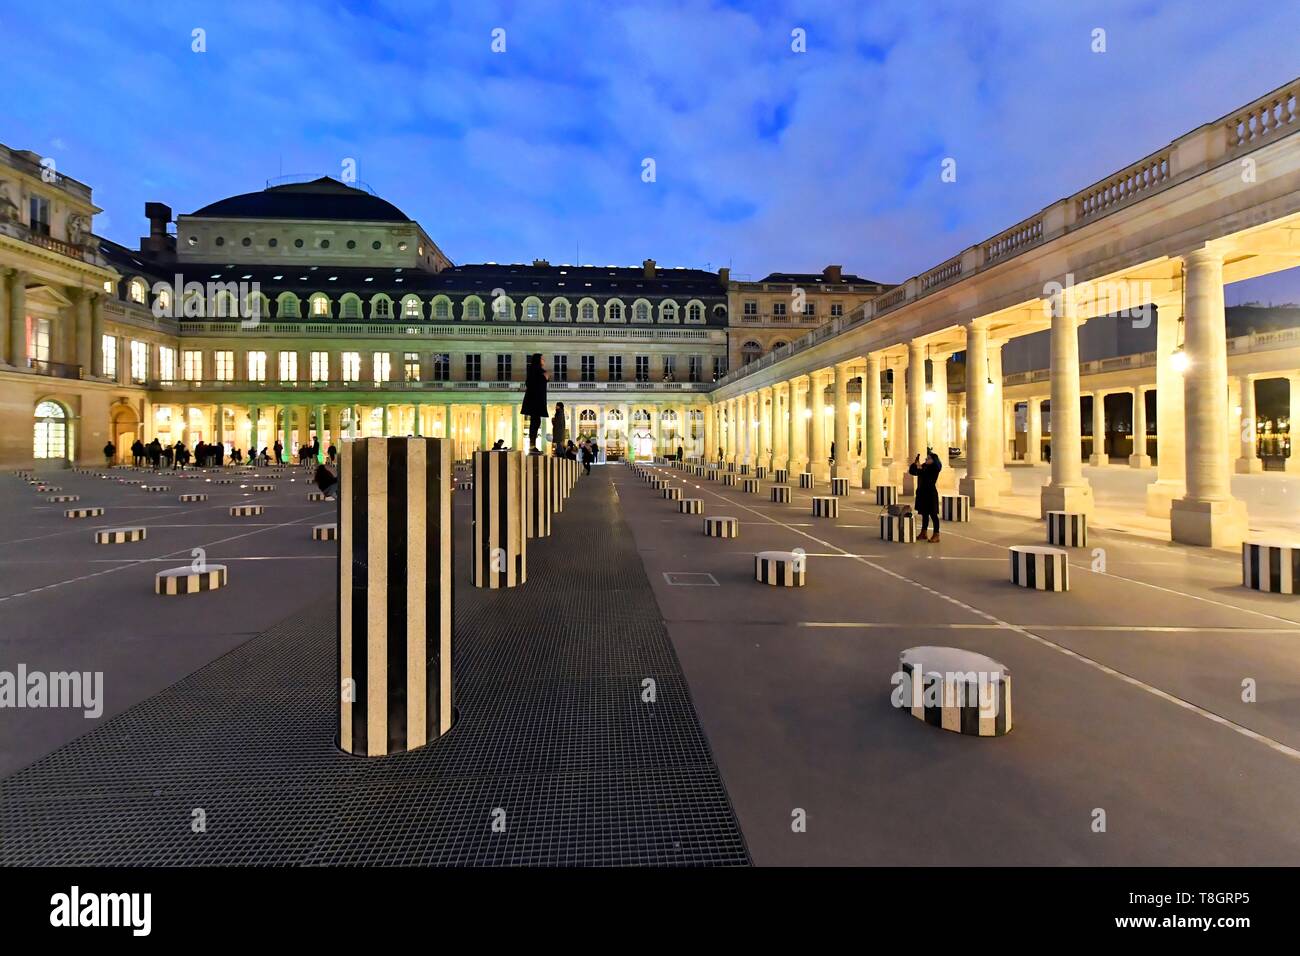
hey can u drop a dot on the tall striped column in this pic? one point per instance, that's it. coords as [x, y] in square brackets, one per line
[395, 594]
[557, 491]
[500, 506]
[538, 478]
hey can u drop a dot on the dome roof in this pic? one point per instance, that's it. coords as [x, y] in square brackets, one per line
[323, 198]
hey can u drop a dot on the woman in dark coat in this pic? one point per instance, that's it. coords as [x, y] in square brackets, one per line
[534, 406]
[558, 429]
[927, 494]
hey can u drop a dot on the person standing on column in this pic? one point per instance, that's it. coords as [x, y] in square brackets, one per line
[534, 404]
[557, 429]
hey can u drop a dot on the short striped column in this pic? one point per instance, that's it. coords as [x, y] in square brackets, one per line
[729, 479]
[556, 489]
[823, 507]
[395, 593]
[760, 472]
[187, 499]
[886, 494]
[781, 494]
[325, 532]
[1270, 566]
[62, 499]
[223, 481]
[711, 474]
[155, 488]
[119, 535]
[954, 507]
[671, 493]
[749, 486]
[729, 466]
[953, 689]
[721, 527]
[787, 569]
[500, 503]
[264, 488]
[245, 511]
[1067, 530]
[691, 506]
[315, 496]
[200, 576]
[900, 528]
[840, 487]
[805, 479]
[537, 476]
[780, 475]
[1038, 567]
[83, 512]
[744, 468]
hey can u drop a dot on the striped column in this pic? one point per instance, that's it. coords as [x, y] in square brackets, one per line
[721, 527]
[955, 690]
[538, 478]
[825, 507]
[805, 479]
[556, 482]
[781, 568]
[1267, 566]
[840, 487]
[1067, 530]
[780, 475]
[781, 494]
[886, 494]
[955, 507]
[395, 593]
[901, 528]
[500, 503]
[1040, 568]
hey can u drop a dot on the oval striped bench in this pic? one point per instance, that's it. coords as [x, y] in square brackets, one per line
[805, 479]
[190, 498]
[954, 507]
[119, 535]
[83, 512]
[954, 689]
[760, 472]
[189, 581]
[62, 499]
[780, 475]
[823, 507]
[1270, 566]
[264, 487]
[900, 528]
[781, 494]
[886, 495]
[672, 493]
[785, 569]
[1039, 567]
[729, 479]
[245, 511]
[325, 532]
[840, 487]
[749, 486]
[1066, 530]
[721, 527]
[691, 506]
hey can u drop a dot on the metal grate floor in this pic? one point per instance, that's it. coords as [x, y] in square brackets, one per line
[552, 737]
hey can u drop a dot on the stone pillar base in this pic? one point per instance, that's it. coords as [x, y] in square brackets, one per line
[1076, 499]
[845, 470]
[1293, 464]
[797, 465]
[1139, 461]
[1248, 466]
[1003, 478]
[1160, 494]
[821, 470]
[875, 477]
[1211, 524]
[909, 484]
[1096, 460]
[982, 492]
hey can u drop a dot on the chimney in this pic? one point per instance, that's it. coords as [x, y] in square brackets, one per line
[832, 273]
[158, 243]
[724, 276]
[648, 268]
[541, 264]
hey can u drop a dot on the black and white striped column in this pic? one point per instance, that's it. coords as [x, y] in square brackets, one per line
[886, 494]
[395, 593]
[671, 493]
[556, 479]
[500, 503]
[760, 472]
[900, 528]
[1038, 567]
[538, 478]
[787, 569]
[805, 479]
[245, 511]
[954, 507]
[749, 486]
[190, 580]
[955, 690]
[83, 513]
[691, 506]
[1067, 530]
[781, 494]
[729, 479]
[780, 475]
[721, 527]
[823, 507]
[119, 535]
[840, 487]
[1270, 566]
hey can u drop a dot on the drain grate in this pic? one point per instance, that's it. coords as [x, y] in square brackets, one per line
[691, 579]
[553, 732]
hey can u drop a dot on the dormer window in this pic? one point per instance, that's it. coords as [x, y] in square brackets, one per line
[137, 291]
[383, 309]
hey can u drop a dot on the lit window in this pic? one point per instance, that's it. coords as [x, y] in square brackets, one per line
[139, 362]
[192, 366]
[320, 366]
[320, 306]
[351, 362]
[51, 433]
[257, 366]
[223, 366]
[288, 366]
[413, 309]
[166, 363]
[382, 367]
[411, 366]
[109, 347]
[137, 291]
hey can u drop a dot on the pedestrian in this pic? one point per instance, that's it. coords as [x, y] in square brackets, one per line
[221, 454]
[279, 452]
[326, 480]
[109, 452]
[137, 453]
[681, 453]
[534, 404]
[499, 445]
[587, 456]
[557, 429]
[926, 502]
[332, 452]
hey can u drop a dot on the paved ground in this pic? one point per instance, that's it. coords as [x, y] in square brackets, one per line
[1127, 692]
[553, 730]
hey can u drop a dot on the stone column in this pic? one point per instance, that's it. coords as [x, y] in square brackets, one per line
[749, 416]
[483, 443]
[1207, 514]
[1099, 456]
[843, 454]
[978, 484]
[1293, 436]
[941, 418]
[1033, 430]
[999, 433]
[1249, 462]
[916, 432]
[1139, 457]
[4, 314]
[710, 433]
[1067, 490]
[1170, 482]
[766, 403]
[85, 355]
[18, 320]
[798, 461]
[874, 472]
[817, 463]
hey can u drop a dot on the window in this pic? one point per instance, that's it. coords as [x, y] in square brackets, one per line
[287, 306]
[616, 368]
[695, 312]
[256, 366]
[320, 366]
[588, 370]
[559, 368]
[668, 313]
[40, 350]
[532, 310]
[137, 291]
[320, 306]
[473, 309]
[719, 366]
[810, 308]
[166, 363]
[670, 368]
[382, 308]
[441, 366]
[837, 309]
[473, 368]
[778, 310]
[411, 366]
[382, 363]
[642, 313]
[413, 308]
[164, 302]
[559, 311]
[643, 368]
[51, 434]
[694, 368]
[750, 307]
[39, 208]
[589, 311]
[192, 366]
[139, 362]
[223, 366]
[109, 347]
[349, 307]
[442, 309]
[503, 368]
[750, 351]
[288, 366]
[351, 362]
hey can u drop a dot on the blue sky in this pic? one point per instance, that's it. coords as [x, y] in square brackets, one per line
[765, 159]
